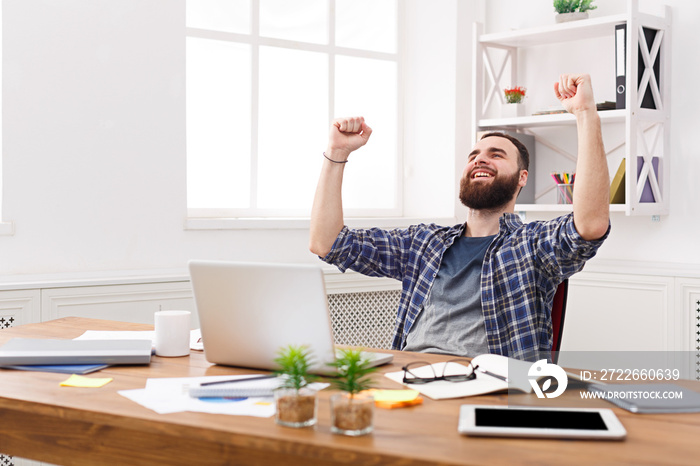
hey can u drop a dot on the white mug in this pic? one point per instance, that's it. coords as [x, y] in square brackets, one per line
[172, 335]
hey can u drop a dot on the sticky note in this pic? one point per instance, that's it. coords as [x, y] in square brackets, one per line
[394, 395]
[390, 399]
[85, 382]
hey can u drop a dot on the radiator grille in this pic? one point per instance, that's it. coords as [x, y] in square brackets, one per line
[364, 319]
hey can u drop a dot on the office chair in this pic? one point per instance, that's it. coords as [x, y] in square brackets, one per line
[558, 312]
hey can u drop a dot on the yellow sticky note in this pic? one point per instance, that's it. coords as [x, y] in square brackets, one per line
[85, 382]
[394, 396]
[390, 399]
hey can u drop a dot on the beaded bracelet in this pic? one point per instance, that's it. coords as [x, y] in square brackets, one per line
[334, 161]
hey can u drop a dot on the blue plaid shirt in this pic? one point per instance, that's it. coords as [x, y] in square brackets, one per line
[521, 271]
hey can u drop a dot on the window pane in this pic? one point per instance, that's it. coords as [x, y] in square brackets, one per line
[219, 15]
[368, 87]
[293, 131]
[218, 124]
[300, 20]
[366, 24]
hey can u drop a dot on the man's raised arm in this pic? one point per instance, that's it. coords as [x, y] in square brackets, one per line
[346, 135]
[592, 186]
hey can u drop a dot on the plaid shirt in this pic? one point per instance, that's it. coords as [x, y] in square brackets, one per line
[522, 268]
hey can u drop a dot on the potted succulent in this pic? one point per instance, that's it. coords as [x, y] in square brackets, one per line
[513, 106]
[352, 411]
[295, 402]
[571, 10]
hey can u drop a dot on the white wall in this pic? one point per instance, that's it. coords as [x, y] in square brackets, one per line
[94, 142]
[94, 148]
[430, 108]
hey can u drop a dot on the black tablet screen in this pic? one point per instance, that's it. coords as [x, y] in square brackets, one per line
[539, 419]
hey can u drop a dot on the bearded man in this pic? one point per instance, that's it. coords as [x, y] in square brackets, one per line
[487, 285]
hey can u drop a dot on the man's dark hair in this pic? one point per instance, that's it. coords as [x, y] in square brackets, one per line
[524, 156]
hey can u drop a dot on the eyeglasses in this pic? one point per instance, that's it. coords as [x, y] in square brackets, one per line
[454, 370]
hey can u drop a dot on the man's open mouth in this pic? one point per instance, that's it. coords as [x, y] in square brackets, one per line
[482, 174]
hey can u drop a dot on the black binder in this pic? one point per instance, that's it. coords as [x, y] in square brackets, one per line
[620, 62]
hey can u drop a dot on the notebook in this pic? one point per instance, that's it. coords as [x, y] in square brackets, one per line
[248, 311]
[494, 374]
[40, 351]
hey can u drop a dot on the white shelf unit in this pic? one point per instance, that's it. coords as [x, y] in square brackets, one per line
[646, 131]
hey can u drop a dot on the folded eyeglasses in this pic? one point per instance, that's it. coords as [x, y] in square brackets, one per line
[454, 370]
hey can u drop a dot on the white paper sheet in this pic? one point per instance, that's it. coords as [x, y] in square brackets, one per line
[171, 395]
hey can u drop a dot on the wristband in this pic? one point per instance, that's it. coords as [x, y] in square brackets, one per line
[334, 161]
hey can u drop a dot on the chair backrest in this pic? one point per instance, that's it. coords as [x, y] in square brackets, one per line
[558, 313]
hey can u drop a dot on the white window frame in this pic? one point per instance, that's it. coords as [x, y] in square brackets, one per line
[256, 218]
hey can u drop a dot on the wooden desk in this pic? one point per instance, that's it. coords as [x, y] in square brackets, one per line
[45, 422]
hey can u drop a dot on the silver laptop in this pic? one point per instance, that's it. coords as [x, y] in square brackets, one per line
[248, 311]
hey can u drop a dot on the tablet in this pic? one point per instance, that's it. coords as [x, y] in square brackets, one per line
[529, 421]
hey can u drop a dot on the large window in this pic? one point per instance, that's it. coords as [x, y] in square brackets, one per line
[264, 80]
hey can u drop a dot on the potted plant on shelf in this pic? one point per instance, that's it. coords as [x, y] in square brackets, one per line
[571, 10]
[514, 102]
[352, 411]
[295, 402]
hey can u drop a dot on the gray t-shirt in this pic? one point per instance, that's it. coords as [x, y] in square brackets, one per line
[451, 320]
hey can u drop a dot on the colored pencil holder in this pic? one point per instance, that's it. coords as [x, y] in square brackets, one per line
[565, 193]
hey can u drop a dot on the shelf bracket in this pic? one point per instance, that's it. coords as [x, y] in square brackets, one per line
[495, 91]
[649, 77]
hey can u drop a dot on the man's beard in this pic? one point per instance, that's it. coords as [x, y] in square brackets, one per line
[488, 196]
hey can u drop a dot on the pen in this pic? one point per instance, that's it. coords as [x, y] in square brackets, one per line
[255, 377]
[505, 379]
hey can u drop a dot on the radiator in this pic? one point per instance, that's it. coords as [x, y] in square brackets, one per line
[364, 318]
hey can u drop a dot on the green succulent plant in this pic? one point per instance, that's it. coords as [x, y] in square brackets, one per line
[294, 362]
[573, 6]
[353, 370]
